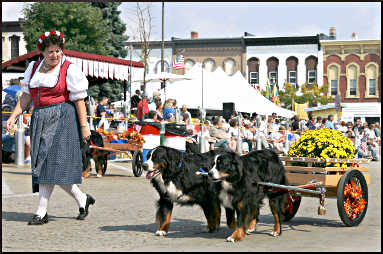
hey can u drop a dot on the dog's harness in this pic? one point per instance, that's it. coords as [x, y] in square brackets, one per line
[95, 152]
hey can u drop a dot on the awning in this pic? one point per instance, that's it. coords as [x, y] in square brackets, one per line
[91, 64]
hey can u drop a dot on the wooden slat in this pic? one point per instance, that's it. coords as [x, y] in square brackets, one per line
[304, 169]
[122, 146]
[330, 181]
[300, 179]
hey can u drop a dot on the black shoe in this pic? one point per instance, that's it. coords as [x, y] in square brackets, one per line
[84, 211]
[37, 220]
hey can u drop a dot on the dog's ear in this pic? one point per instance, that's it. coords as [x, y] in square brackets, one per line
[173, 163]
[237, 171]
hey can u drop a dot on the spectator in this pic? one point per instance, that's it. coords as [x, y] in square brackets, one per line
[219, 134]
[270, 122]
[185, 114]
[146, 107]
[275, 125]
[100, 111]
[311, 123]
[295, 124]
[357, 127]
[372, 142]
[343, 127]
[248, 138]
[350, 133]
[234, 134]
[158, 117]
[278, 139]
[330, 122]
[169, 111]
[318, 123]
[135, 100]
[377, 130]
[324, 121]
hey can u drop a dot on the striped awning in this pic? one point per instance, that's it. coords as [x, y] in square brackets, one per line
[92, 65]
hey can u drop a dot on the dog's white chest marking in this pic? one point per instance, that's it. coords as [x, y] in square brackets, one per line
[175, 194]
[225, 194]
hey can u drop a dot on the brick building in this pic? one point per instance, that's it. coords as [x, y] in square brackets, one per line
[352, 68]
[227, 53]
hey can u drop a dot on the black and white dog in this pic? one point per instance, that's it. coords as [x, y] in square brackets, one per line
[173, 175]
[238, 176]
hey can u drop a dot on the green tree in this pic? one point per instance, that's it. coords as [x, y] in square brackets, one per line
[312, 94]
[117, 38]
[114, 89]
[83, 25]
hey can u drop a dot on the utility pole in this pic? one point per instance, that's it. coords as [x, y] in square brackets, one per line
[162, 45]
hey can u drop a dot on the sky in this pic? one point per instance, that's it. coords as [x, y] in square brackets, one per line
[232, 19]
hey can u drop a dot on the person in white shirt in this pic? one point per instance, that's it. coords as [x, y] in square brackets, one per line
[278, 139]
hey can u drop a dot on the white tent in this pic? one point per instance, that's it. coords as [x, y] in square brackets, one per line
[219, 88]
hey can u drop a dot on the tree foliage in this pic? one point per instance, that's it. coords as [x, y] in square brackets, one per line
[311, 94]
[117, 38]
[113, 89]
[84, 28]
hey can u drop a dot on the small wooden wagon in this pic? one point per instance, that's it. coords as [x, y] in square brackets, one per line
[348, 185]
[134, 149]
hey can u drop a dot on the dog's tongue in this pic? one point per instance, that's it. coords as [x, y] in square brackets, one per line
[150, 174]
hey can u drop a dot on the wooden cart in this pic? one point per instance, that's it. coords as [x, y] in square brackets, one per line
[132, 148]
[348, 185]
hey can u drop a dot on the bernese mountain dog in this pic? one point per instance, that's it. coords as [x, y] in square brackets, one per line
[99, 156]
[238, 176]
[173, 175]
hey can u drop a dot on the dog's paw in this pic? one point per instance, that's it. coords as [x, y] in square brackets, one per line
[230, 239]
[161, 233]
[249, 231]
[274, 233]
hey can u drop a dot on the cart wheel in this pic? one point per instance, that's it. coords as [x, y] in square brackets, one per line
[105, 164]
[292, 206]
[137, 163]
[352, 198]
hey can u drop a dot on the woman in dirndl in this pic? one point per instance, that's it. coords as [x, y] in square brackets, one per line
[58, 127]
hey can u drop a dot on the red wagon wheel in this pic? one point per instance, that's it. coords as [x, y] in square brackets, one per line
[292, 206]
[352, 198]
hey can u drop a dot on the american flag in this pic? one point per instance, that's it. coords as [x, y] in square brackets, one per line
[179, 62]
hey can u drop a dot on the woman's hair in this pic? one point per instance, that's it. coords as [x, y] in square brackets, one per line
[52, 39]
[168, 103]
[158, 104]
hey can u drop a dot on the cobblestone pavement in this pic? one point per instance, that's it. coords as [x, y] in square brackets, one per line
[123, 220]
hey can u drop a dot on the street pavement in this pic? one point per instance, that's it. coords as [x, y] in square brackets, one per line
[122, 219]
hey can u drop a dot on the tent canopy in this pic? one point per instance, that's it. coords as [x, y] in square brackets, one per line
[210, 90]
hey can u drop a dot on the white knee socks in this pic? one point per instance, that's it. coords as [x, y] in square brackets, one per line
[45, 191]
[76, 193]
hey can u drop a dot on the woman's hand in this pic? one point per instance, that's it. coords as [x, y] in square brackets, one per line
[85, 133]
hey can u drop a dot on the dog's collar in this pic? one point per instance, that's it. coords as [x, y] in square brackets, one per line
[180, 164]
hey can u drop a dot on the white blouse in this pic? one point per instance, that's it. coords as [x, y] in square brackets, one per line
[76, 81]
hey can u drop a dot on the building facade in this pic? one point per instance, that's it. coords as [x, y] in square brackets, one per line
[227, 53]
[12, 40]
[297, 60]
[352, 68]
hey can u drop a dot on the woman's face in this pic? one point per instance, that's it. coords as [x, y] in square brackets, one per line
[52, 55]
